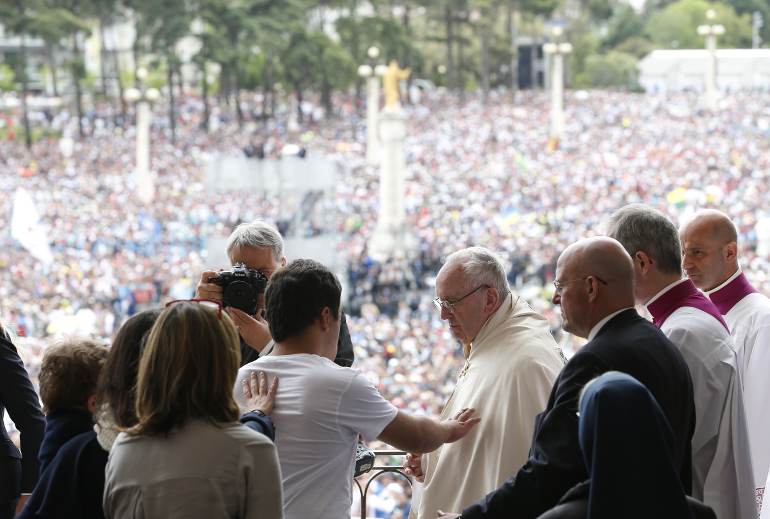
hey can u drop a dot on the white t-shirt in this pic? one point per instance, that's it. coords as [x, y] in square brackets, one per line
[320, 409]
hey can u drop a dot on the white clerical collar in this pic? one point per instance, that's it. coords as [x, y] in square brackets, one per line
[720, 287]
[672, 285]
[598, 326]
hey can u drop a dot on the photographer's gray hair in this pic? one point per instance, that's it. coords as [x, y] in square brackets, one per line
[257, 235]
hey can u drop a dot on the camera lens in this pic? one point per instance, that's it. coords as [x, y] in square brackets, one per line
[240, 295]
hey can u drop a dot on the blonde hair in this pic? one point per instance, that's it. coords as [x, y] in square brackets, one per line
[187, 370]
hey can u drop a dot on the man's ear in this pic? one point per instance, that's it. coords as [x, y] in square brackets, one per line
[730, 252]
[491, 299]
[283, 261]
[325, 318]
[593, 289]
[642, 261]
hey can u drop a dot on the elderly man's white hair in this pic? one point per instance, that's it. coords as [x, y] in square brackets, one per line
[257, 235]
[481, 266]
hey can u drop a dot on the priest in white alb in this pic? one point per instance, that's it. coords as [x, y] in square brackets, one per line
[722, 472]
[710, 246]
[511, 363]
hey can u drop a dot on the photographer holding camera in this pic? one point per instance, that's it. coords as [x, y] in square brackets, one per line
[255, 251]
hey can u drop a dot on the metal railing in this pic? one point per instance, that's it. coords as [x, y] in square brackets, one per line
[377, 471]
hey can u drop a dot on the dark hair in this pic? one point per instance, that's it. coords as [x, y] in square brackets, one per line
[187, 370]
[69, 373]
[640, 227]
[295, 296]
[117, 383]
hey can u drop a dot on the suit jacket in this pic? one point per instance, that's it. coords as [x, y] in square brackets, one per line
[18, 396]
[629, 344]
[344, 357]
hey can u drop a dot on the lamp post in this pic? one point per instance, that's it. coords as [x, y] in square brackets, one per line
[711, 32]
[372, 104]
[143, 96]
[558, 50]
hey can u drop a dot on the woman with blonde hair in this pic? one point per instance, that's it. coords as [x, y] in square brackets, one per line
[188, 456]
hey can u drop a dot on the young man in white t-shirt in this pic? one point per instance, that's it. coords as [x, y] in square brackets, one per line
[321, 408]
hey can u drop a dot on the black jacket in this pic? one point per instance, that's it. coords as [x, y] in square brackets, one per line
[18, 396]
[629, 344]
[344, 357]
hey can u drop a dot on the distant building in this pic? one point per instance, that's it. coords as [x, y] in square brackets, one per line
[685, 70]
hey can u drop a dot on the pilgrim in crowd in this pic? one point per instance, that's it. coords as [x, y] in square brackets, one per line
[722, 475]
[511, 363]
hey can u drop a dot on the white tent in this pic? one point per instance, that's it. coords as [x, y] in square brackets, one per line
[679, 70]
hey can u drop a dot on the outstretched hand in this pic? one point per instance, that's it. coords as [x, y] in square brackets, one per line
[413, 467]
[461, 424]
[447, 515]
[257, 395]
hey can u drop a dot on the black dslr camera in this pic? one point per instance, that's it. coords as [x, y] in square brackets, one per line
[242, 287]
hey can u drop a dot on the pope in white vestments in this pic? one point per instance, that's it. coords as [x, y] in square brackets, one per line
[509, 371]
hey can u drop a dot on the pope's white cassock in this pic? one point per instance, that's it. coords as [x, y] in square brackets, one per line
[509, 370]
[723, 477]
[747, 314]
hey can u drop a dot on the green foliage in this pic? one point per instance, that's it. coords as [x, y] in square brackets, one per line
[624, 24]
[7, 78]
[679, 22]
[611, 70]
[637, 46]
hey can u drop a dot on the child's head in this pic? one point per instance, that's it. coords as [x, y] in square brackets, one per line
[69, 374]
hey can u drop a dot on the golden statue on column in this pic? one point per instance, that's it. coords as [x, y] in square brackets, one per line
[390, 81]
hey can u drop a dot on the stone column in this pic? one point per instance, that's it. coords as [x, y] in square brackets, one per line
[144, 188]
[557, 95]
[372, 107]
[711, 90]
[392, 238]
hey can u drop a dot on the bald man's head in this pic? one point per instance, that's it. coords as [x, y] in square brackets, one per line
[709, 248]
[597, 279]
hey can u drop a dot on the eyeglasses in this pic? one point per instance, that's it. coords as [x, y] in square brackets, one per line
[208, 303]
[450, 306]
[561, 284]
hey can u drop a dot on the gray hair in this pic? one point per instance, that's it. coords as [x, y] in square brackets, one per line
[481, 266]
[257, 235]
[639, 227]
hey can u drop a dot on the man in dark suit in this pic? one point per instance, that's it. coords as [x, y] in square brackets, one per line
[17, 474]
[595, 288]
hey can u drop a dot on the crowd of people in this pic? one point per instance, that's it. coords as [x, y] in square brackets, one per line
[476, 174]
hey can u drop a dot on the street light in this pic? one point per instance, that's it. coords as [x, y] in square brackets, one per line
[558, 50]
[711, 32]
[143, 96]
[372, 103]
